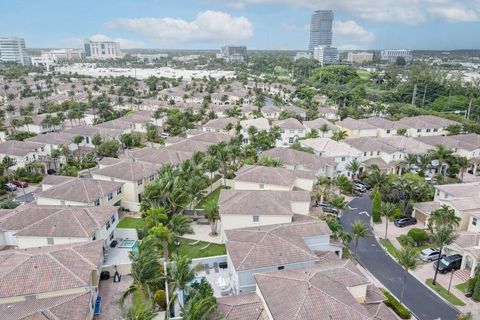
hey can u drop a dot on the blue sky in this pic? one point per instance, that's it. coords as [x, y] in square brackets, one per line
[260, 24]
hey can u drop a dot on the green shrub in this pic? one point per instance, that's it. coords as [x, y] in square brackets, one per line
[418, 235]
[396, 306]
[33, 178]
[476, 290]
[377, 207]
[406, 240]
[160, 298]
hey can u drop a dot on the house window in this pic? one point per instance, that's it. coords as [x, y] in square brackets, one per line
[140, 182]
[292, 131]
[50, 240]
[108, 225]
[151, 178]
[256, 218]
[435, 130]
[30, 297]
[111, 236]
[113, 219]
[300, 131]
[290, 140]
[343, 158]
[364, 154]
[97, 202]
[119, 191]
[419, 130]
[388, 131]
[393, 157]
[62, 202]
[474, 221]
[281, 267]
[428, 130]
[110, 196]
[261, 186]
[139, 197]
[378, 153]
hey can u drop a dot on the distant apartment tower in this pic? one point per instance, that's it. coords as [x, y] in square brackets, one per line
[12, 49]
[325, 55]
[359, 57]
[392, 55]
[233, 53]
[321, 29]
[102, 49]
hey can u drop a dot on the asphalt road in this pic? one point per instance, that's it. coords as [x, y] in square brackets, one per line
[425, 304]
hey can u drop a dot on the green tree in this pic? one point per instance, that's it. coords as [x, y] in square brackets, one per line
[443, 216]
[211, 165]
[339, 135]
[108, 148]
[339, 203]
[212, 215]
[162, 235]
[343, 183]
[408, 259]
[387, 210]
[179, 225]
[354, 167]
[77, 140]
[359, 230]
[442, 236]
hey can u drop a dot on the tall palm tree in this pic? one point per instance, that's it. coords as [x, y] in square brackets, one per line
[181, 273]
[323, 129]
[377, 179]
[388, 211]
[199, 308]
[339, 203]
[408, 259]
[211, 165]
[442, 154]
[155, 216]
[462, 163]
[442, 236]
[27, 120]
[424, 162]
[359, 230]
[212, 215]
[162, 235]
[343, 183]
[195, 189]
[139, 313]
[410, 162]
[354, 167]
[443, 216]
[179, 225]
[77, 140]
[339, 135]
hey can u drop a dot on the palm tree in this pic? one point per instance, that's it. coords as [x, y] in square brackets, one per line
[423, 162]
[54, 155]
[388, 211]
[212, 215]
[15, 123]
[27, 120]
[179, 225]
[162, 235]
[77, 140]
[410, 161]
[442, 154]
[199, 308]
[408, 259]
[462, 163]
[323, 129]
[443, 216]
[211, 165]
[146, 271]
[359, 230]
[139, 313]
[354, 167]
[155, 216]
[442, 236]
[339, 203]
[195, 189]
[343, 183]
[96, 140]
[270, 162]
[339, 135]
[377, 179]
[181, 273]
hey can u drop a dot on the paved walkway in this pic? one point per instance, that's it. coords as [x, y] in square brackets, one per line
[393, 231]
[202, 233]
[111, 293]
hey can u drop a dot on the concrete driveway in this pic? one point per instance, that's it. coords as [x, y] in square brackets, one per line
[424, 303]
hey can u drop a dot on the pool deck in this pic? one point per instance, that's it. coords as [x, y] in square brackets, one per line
[116, 256]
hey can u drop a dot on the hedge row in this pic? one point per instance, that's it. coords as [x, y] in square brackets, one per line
[396, 306]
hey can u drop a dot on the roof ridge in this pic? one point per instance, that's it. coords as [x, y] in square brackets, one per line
[85, 189]
[64, 266]
[72, 212]
[38, 221]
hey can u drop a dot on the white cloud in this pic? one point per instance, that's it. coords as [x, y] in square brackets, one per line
[404, 11]
[124, 43]
[352, 31]
[208, 26]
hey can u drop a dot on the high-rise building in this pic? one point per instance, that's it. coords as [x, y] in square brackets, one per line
[325, 55]
[12, 49]
[392, 55]
[59, 55]
[233, 53]
[321, 29]
[102, 49]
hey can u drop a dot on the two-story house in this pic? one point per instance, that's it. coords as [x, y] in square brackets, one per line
[21, 152]
[291, 131]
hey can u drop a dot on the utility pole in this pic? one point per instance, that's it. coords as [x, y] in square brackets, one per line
[469, 108]
[414, 93]
[424, 94]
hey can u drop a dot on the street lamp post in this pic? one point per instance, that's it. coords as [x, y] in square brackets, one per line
[176, 242]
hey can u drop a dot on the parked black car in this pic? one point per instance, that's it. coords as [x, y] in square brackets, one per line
[447, 264]
[404, 221]
[363, 183]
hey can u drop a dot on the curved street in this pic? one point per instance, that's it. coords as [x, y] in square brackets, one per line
[425, 304]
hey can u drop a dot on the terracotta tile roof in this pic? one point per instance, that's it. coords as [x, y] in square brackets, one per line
[81, 190]
[127, 170]
[241, 307]
[290, 123]
[211, 137]
[270, 175]
[189, 145]
[18, 148]
[72, 307]
[47, 269]
[55, 221]
[160, 156]
[293, 157]
[220, 123]
[265, 246]
[260, 202]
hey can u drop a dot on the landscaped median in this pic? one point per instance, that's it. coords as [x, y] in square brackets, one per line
[450, 297]
[389, 247]
[396, 306]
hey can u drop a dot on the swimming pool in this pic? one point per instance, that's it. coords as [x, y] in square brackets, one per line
[128, 244]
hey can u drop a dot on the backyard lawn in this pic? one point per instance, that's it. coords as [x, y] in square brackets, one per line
[211, 197]
[131, 223]
[444, 293]
[193, 249]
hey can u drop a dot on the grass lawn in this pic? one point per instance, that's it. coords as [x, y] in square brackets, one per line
[211, 197]
[131, 223]
[462, 287]
[193, 251]
[389, 247]
[444, 293]
[363, 74]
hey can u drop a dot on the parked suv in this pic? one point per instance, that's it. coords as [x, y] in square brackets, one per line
[447, 264]
[363, 183]
[359, 188]
[404, 221]
[430, 254]
[10, 187]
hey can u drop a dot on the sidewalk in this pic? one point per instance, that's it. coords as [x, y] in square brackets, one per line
[393, 232]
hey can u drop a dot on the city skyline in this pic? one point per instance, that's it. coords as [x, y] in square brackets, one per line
[259, 24]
